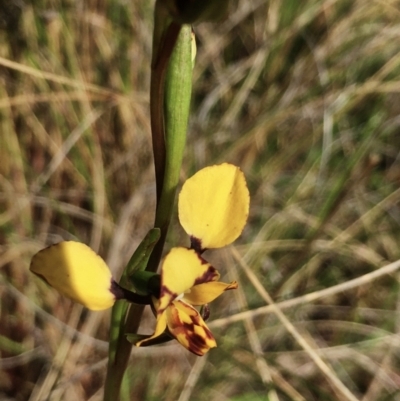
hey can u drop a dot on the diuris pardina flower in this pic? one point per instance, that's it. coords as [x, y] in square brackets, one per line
[187, 280]
[213, 208]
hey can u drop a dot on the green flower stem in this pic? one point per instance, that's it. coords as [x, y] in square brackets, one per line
[119, 347]
[178, 89]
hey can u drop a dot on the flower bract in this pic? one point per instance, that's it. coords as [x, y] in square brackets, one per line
[187, 280]
[77, 272]
[214, 205]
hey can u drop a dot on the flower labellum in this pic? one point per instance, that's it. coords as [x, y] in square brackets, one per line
[187, 280]
[76, 271]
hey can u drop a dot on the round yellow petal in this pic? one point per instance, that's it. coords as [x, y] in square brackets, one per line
[204, 293]
[77, 272]
[181, 270]
[214, 205]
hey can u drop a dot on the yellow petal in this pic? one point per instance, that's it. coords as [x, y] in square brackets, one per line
[77, 272]
[204, 293]
[160, 328]
[181, 270]
[214, 205]
[187, 326]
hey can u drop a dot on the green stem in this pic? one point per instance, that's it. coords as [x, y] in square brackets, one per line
[120, 347]
[118, 355]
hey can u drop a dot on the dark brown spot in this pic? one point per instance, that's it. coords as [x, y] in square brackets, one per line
[195, 244]
[205, 312]
[116, 290]
[209, 275]
[196, 343]
[166, 292]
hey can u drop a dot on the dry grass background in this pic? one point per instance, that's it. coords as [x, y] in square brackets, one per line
[304, 96]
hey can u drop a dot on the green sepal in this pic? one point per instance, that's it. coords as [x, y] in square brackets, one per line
[139, 259]
[146, 283]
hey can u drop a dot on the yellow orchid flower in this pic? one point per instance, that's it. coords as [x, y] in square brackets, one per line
[187, 280]
[76, 271]
[213, 206]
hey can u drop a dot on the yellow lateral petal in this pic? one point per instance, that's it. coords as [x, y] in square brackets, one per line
[214, 204]
[204, 293]
[181, 270]
[187, 326]
[160, 328]
[77, 272]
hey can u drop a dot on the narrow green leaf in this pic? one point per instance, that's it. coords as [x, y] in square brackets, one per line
[178, 89]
